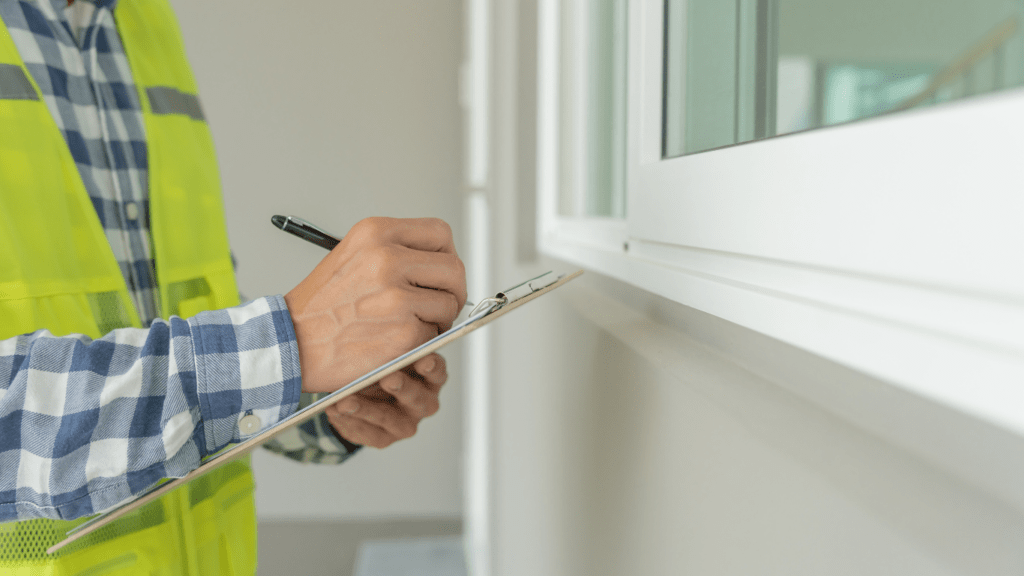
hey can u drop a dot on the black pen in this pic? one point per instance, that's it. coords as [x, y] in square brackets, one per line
[309, 232]
[305, 230]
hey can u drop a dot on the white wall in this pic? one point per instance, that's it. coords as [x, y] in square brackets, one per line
[633, 435]
[335, 110]
[626, 444]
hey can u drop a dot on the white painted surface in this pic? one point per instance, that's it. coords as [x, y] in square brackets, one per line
[438, 556]
[478, 504]
[628, 446]
[888, 245]
[928, 196]
[334, 111]
[637, 435]
[476, 100]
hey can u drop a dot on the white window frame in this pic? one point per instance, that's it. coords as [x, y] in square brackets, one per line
[910, 271]
[553, 162]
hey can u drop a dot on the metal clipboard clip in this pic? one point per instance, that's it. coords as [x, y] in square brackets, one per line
[510, 295]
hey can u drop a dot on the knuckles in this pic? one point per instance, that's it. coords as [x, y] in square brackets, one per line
[394, 301]
[440, 228]
[455, 308]
[410, 336]
[460, 269]
[373, 227]
[376, 227]
[383, 261]
[405, 430]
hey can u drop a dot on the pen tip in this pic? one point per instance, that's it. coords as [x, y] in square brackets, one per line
[279, 221]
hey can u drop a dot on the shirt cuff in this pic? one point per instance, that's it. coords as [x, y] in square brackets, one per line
[313, 441]
[247, 369]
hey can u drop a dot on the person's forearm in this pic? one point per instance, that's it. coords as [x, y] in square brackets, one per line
[85, 424]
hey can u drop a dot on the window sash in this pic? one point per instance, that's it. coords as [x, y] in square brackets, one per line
[890, 245]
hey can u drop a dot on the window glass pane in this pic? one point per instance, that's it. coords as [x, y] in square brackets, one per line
[606, 157]
[569, 191]
[740, 70]
[593, 108]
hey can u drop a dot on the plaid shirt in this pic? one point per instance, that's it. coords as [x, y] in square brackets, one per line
[85, 424]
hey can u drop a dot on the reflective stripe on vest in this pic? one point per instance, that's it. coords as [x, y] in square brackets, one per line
[166, 100]
[14, 84]
[57, 271]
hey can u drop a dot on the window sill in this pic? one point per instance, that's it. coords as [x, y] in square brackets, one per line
[961, 350]
[732, 364]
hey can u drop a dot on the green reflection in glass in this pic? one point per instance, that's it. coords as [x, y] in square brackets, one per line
[606, 144]
[592, 131]
[742, 70]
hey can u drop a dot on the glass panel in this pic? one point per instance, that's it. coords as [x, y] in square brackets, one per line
[740, 70]
[606, 142]
[593, 108]
[568, 121]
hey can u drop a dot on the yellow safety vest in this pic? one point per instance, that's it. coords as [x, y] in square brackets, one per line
[58, 272]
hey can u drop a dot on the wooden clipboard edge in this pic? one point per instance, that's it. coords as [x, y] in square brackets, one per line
[243, 448]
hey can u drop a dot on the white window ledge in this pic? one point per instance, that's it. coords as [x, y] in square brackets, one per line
[741, 371]
[961, 350]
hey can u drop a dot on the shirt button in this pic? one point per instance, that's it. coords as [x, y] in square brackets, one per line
[250, 424]
[131, 210]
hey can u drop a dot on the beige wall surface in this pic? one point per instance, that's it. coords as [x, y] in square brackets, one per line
[335, 110]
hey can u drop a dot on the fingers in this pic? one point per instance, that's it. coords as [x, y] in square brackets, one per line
[444, 272]
[376, 423]
[411, 394]
[370, 419]
[383, 414]
[391, 285]
[436, 307]
[361, 432]
[433, 369]
[405, 305]
[428, 234]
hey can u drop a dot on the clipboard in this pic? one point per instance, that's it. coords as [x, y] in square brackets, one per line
[488, 310]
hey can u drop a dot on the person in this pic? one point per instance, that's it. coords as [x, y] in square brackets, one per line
[125, 355]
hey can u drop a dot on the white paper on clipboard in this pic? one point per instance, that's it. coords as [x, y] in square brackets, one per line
[485, 312]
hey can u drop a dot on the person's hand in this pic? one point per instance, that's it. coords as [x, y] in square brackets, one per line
[391, 410]
[391, 285]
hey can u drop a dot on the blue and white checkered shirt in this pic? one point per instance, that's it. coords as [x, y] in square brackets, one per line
[85, 424]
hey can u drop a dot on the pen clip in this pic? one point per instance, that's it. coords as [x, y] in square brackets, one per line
[306, 224]
[305, 230]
